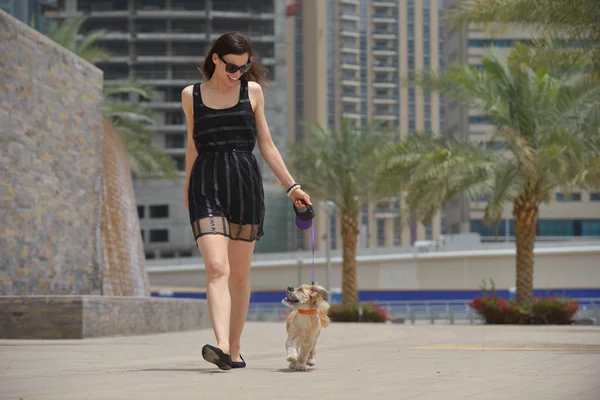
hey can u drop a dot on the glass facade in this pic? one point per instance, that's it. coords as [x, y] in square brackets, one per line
[545, 227]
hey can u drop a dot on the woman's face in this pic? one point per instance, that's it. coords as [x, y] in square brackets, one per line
[230, 67]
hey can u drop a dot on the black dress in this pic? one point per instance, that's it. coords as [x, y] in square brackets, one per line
[226, 195]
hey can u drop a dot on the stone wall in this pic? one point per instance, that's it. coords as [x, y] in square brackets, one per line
[51, 160]
[68, 201]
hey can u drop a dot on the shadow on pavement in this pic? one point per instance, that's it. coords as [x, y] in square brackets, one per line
[197, 370]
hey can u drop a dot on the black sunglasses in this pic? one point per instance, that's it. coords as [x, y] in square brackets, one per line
[232, 68]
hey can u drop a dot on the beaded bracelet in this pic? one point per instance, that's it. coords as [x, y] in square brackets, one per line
[292, 188]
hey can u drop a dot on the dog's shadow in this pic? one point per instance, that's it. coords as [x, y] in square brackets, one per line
[291, 371]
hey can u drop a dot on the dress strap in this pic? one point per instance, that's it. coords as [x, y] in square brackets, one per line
[244, 95]
[197, 95]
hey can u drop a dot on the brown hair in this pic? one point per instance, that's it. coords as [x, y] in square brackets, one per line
[234, 43]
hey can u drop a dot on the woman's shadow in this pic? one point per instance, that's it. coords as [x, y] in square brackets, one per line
[196, 370]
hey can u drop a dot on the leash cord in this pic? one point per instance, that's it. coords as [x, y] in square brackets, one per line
[312, 237]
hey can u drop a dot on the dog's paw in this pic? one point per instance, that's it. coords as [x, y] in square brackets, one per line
[292, 365]
[300, 367]
[311, 362]
[292, 355]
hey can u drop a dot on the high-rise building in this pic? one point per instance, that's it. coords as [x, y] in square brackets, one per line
[349, 58]
[567, 215]
[162, 42]
[30, 12]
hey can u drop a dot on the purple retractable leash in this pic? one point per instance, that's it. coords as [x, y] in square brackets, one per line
[304, 220]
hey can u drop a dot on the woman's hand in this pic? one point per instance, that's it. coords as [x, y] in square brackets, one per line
[298, 195]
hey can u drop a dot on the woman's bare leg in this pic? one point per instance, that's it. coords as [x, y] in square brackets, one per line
[214, 253]
[240, 257]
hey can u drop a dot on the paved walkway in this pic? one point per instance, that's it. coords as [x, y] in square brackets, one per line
[444, 362]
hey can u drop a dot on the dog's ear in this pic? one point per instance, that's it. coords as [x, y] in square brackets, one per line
[320, 290]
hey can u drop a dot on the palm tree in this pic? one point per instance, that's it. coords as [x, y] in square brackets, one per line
[133, 121]
[576, 20]
[549, 123]
[333, 166]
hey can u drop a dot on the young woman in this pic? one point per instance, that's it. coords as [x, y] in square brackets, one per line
[224, 191]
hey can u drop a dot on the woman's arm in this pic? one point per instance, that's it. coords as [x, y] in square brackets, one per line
[267, 147]
[187, 103]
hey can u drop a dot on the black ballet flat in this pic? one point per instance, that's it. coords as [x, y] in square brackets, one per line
[239, 364]
[216, 356]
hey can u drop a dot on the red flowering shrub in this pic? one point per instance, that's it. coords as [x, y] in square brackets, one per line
[546, 310]
[371, 312]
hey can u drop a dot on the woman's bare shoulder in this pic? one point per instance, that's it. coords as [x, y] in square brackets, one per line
[187, 91]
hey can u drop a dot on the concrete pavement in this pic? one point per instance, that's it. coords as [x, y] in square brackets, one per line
[354, 361]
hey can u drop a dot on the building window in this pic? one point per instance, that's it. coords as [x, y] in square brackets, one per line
[478, 119]
[143, 236]
[159, 235]
[478, 226]
[381, 232]
[179, 160]
[568, 197]
[140, 211]
[555, 228]
[160, 211]
[594, 196]
[175, 140]
[590, 228]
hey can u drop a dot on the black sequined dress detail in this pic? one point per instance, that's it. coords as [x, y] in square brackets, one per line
[226, 195]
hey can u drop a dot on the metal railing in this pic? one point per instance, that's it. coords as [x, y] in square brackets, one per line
[444, 311]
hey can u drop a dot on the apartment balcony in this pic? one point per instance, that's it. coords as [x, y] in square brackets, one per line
[383, 34]
[164, 105]
[350, 17]
[93, 14]
[242, 15]
[170, 128]
[354, 66]
[383, 17]
[355, 2]
[350, 50]
[385, 115]
[384, 51]
[386, 212]
[170, 14]
[350, 82]
[117, 36]
[256, 37]
[168, 59]
[352, 115]
[385, 67]
[117, 59]
[165, 36]
[385, 83]
[385, 100]
[161, 80]
[383, 4]
[351, 98]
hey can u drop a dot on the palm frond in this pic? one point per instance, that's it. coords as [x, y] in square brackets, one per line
[432, 170]
[145, 159]
[126, 86]
[117, 109]
[332, 165]
[572, 23]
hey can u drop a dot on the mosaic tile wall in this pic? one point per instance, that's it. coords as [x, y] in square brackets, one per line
[51, 163]
[68, 210]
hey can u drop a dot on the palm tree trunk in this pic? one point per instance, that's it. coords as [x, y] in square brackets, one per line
[525, 213]
[349, 238]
